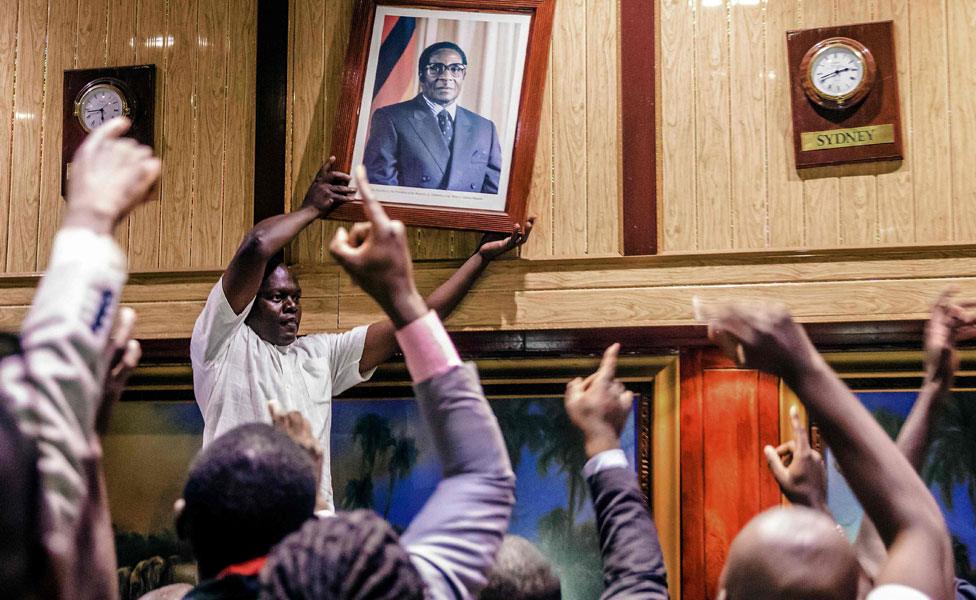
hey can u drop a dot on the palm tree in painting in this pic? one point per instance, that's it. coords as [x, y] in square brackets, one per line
[952, 455]
[403, 457]
[523, 424]
[374, 436]
[359, 493]
[563, 447]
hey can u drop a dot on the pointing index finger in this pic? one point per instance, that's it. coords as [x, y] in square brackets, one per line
[374, 210]
[608, 364]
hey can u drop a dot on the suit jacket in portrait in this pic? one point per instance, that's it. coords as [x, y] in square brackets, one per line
[633, 566]
[406, 148]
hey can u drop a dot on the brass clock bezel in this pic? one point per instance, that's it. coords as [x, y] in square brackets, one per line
[104, 82]
[843, 101]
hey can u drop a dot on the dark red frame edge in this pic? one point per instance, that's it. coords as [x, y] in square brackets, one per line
[639, 117]
[526, 132]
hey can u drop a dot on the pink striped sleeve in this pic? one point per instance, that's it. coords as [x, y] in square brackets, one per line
[427, 348]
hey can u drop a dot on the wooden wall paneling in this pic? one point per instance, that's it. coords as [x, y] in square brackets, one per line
[151, 48]
[930, 143]
[569, 128]
[678, 126]
[768, 415]
[783, 185]
[748, 77]
[240, 36]
[210, 83]
[820, 186]
[602, 52]
[8, 58]
[63, 19]
[692, 444]
[121, 50]
[314, 29]
[540, 194]
[858, 193]
[895, 191]
[182, 150]
[962, 89]
[28, 131]
[713, 114]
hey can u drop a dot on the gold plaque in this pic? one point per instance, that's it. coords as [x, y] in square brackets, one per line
[845, 138]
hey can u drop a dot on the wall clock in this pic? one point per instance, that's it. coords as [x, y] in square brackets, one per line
[844, 90]
[95, 96]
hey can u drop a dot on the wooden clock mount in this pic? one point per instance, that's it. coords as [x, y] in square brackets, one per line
[844, 91]
[92, 96]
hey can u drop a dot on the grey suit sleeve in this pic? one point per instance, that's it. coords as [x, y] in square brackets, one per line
[494, 169]
[633, 566]
[55, 386]
[454, 539]
[380, 155]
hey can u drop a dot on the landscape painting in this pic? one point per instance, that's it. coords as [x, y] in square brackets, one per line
[949, 471]
[382, 459]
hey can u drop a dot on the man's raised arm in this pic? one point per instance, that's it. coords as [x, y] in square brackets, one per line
[243, 276]
[454, 538]
[907, 517]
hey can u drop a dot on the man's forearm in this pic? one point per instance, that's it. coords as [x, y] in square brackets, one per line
[913, 439]
[884, 482]
[269, 236]
[449, 294]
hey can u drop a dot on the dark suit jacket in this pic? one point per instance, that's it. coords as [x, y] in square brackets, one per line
[633, 566]
[406, 148]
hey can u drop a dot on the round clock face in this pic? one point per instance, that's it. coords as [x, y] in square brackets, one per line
[99, 103]
[837, 72]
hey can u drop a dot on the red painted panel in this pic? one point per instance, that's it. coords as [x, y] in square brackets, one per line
[727, 416]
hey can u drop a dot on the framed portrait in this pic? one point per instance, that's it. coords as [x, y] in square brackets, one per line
[440, 103]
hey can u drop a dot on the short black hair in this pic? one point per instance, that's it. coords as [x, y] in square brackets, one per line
[521, 572]
[352, 555]
[246, 491]
[430, 50]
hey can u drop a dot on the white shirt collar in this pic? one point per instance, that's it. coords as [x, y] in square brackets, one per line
[437, 108]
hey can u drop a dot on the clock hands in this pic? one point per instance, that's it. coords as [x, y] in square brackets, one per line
[837, 72]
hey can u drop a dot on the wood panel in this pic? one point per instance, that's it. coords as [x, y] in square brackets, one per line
[930, 122]
[725, 481]
[926, 199]
[201, 126]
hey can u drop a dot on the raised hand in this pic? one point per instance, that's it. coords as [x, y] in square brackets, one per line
[124, 354]
[329, 189]
[799, 469]
[599, 405]
[376, 257]
[759, 336]
[297, 427]
[494, 245]
[110, 176]
[948, 323]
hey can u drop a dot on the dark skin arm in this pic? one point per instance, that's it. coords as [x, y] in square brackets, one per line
[380, 339]
[243, 276]
[908, 519]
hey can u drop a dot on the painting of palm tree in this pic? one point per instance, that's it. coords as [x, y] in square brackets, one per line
[949, 471]
[383, 458]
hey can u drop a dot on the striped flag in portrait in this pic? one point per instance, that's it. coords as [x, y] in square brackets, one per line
[396, 66]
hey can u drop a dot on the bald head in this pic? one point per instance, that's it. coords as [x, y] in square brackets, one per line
[790, 553]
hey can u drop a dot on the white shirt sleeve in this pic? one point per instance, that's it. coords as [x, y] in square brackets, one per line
[608, 459]
[215, 326]
[894, 591]
[342, 353]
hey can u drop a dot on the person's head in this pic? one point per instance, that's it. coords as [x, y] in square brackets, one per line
[246, 491]
[277, 309]
[521, 572]
[442, 67]
[21, 555]
[351, 555]
[791, 553]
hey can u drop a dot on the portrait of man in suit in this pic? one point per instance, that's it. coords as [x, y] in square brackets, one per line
[430, 141]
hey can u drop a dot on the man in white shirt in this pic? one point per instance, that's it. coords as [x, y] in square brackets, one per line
[245, 348]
